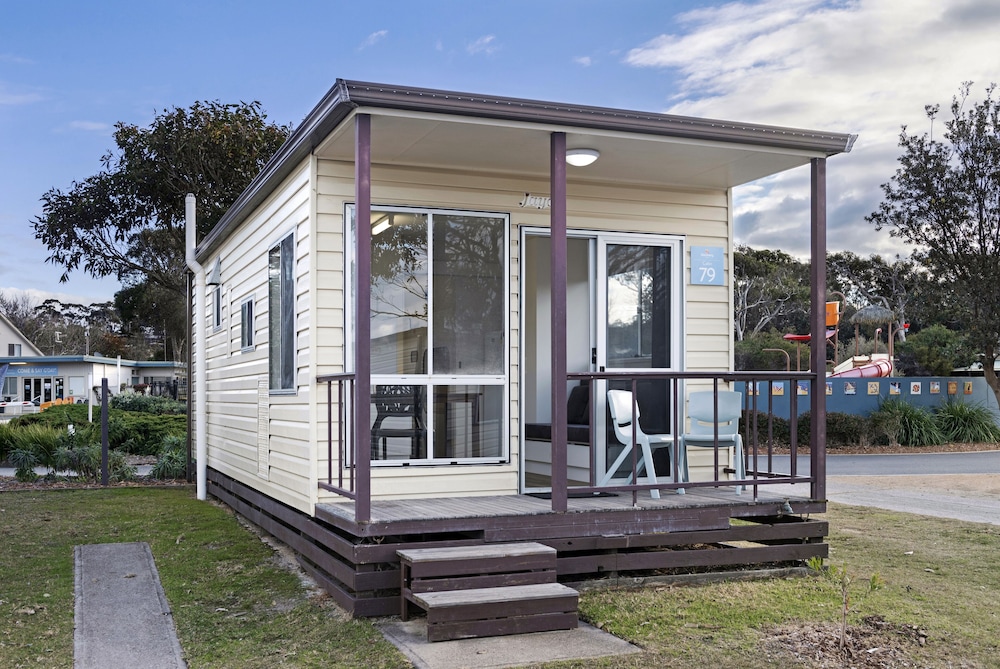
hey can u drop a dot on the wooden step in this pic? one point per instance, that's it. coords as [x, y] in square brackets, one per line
[467, 567]
[519, 609]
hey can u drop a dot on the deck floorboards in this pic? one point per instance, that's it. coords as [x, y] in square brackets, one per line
[501, 506]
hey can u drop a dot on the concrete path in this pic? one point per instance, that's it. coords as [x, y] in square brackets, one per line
[585, 642]
[122, 617]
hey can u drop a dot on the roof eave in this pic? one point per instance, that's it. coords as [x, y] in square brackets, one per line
[346, 96]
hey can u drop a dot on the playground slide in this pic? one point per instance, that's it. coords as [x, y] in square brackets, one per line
[875, 368]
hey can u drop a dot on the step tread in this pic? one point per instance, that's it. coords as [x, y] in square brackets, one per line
[416, 555]
[499, 595]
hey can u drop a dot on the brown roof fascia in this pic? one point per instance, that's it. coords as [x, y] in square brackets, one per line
[345, 96]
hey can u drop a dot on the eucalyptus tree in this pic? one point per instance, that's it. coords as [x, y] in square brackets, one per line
[944, 200]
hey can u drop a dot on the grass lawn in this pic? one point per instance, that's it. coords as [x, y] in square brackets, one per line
[236, 605]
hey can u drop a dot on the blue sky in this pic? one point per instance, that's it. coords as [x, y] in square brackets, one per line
[70, 70]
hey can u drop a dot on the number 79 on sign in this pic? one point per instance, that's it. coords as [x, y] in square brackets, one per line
[706, 265]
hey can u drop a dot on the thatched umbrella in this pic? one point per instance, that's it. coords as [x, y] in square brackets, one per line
[873, 314]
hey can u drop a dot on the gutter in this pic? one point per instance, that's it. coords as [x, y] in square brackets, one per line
[198, 385]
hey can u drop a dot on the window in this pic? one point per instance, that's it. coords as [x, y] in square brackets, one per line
[14, 350]
[246, 325]
[439, 305]
[217, 306]
[281, 314]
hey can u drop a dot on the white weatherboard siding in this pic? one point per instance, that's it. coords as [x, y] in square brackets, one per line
[699, 217]
[295, 442]
[236, 446]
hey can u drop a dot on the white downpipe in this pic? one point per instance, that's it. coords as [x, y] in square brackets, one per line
[199, 386]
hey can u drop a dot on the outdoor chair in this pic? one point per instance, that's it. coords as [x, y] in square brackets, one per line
[621, 404]
[705, 425]
[402, 407]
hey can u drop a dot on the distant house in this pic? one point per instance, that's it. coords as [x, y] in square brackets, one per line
[414, 313]
[13, 343]
[30, 382]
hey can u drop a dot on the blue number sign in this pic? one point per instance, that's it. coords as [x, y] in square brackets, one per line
[706, 265]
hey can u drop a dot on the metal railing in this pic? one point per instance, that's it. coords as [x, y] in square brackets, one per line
[767, 398]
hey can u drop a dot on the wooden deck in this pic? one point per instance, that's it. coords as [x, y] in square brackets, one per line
[604, 537]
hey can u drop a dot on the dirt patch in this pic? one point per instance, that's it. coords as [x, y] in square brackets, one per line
[874, 644]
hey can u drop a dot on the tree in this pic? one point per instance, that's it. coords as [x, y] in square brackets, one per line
[945, 200]
[875, 280]
[769, 288]
[127, 221]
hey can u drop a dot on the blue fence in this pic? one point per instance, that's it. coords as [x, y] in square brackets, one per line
[863, 396]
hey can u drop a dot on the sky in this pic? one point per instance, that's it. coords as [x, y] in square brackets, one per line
[70, 70]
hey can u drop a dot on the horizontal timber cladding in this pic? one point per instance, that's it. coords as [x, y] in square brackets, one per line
[358, 565]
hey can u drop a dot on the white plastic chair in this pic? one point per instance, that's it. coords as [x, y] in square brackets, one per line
[701, 411]
[621, 405]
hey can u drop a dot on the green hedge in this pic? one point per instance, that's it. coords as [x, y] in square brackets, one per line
[896, 422]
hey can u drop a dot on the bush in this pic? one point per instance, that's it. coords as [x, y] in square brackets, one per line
[779, 429]
[6, 439]
[903, 423]
[39, 440]
[846, 429]
[24, 462]
[172, 460]
[140, 433]
[147, 404]
[968, 423]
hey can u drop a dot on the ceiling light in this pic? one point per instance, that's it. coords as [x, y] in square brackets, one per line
[582, 157]
[381, 226]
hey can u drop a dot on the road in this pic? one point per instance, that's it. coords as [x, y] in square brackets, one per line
[964, 486]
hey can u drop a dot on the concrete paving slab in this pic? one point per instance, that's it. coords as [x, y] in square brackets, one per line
[585, 642]
[122, 617]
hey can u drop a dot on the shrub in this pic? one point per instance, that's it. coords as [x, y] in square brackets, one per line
[844, 429]
[40, 440]
[970, 423]
[147, 404]
[6, 439]
[134, 432]
[172, 460]
[24, 461]
[912, 425]
[779, 429]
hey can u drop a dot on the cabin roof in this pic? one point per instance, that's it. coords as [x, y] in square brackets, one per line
[435, 129]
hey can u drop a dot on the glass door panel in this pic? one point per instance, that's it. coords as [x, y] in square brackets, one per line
[640, 286]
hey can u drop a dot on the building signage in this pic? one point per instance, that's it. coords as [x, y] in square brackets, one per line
[706, 265]
[21, 370]
[535, 201]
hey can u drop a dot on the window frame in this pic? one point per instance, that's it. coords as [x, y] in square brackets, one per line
[436, 382]
[247, 329]
[281, 339]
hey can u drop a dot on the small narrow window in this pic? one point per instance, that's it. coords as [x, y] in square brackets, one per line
[14, 350]
[246, 325]
[217, 307]
[281, 314]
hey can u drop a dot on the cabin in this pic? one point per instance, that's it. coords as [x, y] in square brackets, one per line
[461, 322]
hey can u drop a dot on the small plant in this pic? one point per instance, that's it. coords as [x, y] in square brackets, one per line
[24, 461]
[966, 423]
[840, 577]
[914, 426]
[172, 460]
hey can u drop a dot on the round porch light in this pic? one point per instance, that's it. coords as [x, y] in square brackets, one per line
[582, 157]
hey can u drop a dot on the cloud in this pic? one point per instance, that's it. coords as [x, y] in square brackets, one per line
[373, 39]
[485, 44]
[91, 126]
[16, 98]
[583, 60]
[865, 67]
[16, 60]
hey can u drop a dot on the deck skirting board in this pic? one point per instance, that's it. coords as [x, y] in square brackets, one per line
[603, 539]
